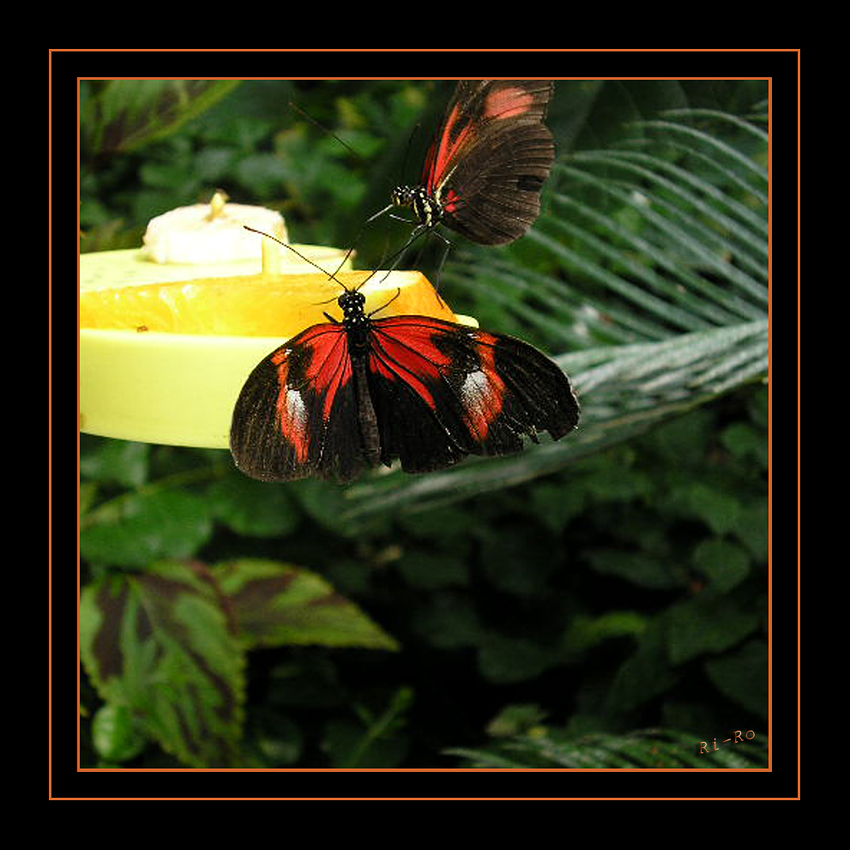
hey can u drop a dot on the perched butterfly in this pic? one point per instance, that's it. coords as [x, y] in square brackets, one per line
[487, 163]
[341, 397]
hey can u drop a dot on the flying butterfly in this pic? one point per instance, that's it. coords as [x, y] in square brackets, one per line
[344, 396]
[487, 163]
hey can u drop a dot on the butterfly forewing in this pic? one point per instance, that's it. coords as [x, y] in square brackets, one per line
[294, 415]
[490, 158]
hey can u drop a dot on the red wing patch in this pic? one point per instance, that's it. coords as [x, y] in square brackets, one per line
[404, 349]
[483, 391]
[291, 412]
[329, 367]
[282, 420]
[507, 103]
[445, 149]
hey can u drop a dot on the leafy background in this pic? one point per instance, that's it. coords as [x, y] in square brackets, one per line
[601, 601]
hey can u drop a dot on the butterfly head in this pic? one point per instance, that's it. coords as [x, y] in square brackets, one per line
[351, 302]
[402, 196]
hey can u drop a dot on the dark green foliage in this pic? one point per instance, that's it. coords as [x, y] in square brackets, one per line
[531, 611]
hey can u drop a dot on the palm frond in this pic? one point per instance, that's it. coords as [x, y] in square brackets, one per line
[650, 266]
[644, 749]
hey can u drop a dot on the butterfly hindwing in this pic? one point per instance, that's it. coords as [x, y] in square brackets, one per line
[442, 391]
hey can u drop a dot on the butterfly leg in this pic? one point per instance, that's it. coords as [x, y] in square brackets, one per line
[442, 261]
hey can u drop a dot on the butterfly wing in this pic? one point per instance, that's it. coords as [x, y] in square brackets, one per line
[426, 391]
[442, 391]
[490, 157]
[304, 410]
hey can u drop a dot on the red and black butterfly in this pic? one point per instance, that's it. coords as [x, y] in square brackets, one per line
[487, 163]
[341, 397]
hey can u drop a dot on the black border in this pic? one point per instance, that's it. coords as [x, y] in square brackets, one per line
[782, 67]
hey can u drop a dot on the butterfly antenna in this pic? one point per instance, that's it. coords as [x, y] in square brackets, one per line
[324, 129]
[379, 213]
[413, 132]
[332, 275]
[394, 259]
[306, 259]
[403, 171]
[384, 306]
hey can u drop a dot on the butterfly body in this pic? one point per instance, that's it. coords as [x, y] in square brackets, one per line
[341, 397]
[487, 164]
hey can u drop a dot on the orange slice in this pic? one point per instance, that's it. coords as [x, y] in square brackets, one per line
[257, 305]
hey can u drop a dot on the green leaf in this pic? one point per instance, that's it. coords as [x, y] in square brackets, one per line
[643, 676]
[586, 632]
[556, 504]
[520, 563]
[450, 622]
[115, 461]
[262, 174]
[432, 570]
[723, 563]
[752, 528]
[720, 510]
[159, 645]
[744, 441]
[377, 740]
[506, 660]
[116, 734]
[125, 115]
[516, 719]
[742, 676]
[277, 604]
[253, 508]
[707, 624]
[145, 527]
[638, 568]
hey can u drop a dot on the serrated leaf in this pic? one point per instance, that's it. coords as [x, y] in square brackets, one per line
[159, 644]
[278, 604]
